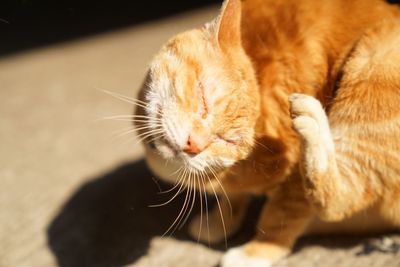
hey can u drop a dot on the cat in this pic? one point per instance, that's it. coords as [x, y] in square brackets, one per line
[295, 100]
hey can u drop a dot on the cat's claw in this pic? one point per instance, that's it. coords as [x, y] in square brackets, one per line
[237, 257]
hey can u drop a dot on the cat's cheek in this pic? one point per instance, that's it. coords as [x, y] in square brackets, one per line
[226, 154]
[164, 150]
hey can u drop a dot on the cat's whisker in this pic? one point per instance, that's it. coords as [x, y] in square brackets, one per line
[193, 196]
[186, 203]
[116, 132]
[146, 121]
[223, 190]
[178, 183]
[143, 127]
[201, 204]
[149, 133]
[130, 120]
[155, 138]
[121, 134]
[127, 130]
[132, 116]
[167, 202]
[189, 187]
[152, 120]
[171, 199]
[127, 99]
[143, 136]
[220, 211]
[175, 172]
[180, 212]
[206, 206]
[121, 95]
[218, 166]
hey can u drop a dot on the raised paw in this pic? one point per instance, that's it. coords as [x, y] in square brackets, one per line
[311, 123]
[310, 120]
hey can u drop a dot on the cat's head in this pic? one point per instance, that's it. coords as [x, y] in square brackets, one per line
[202, 98]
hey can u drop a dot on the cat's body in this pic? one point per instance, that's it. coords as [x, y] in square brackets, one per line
[341, 165]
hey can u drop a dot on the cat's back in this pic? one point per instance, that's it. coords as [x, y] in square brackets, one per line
[365, 110]
[269, 25]
[305, 40]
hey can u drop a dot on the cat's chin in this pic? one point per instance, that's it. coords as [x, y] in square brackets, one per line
[166, 170]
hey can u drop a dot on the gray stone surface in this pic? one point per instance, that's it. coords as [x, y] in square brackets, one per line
[72, 195]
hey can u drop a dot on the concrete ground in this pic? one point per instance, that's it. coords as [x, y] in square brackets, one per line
[73, 195]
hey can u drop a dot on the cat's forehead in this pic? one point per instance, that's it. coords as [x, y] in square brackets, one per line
[190, 47]
[180, 59]
[181, 73]
[186, 64]
[188, 42]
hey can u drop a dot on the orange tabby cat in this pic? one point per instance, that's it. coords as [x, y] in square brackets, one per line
[297, 100]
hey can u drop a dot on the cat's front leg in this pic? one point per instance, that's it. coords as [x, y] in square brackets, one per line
[283, 219]
[327, 189]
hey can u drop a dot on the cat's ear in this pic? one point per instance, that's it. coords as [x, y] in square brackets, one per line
[228, 25]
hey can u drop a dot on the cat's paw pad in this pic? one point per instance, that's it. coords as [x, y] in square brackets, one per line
[304, 105]
[238, 257]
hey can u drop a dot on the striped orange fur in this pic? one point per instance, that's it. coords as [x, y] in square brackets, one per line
[296, 100]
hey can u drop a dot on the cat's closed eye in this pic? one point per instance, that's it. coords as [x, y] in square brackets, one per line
[204, 107]
[233, 140]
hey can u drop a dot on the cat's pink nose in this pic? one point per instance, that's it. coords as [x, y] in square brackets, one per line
[195, 145]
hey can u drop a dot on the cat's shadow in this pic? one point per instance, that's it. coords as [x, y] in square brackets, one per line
[108, 221]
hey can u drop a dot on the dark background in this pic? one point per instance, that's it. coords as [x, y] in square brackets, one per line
[32, 23]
